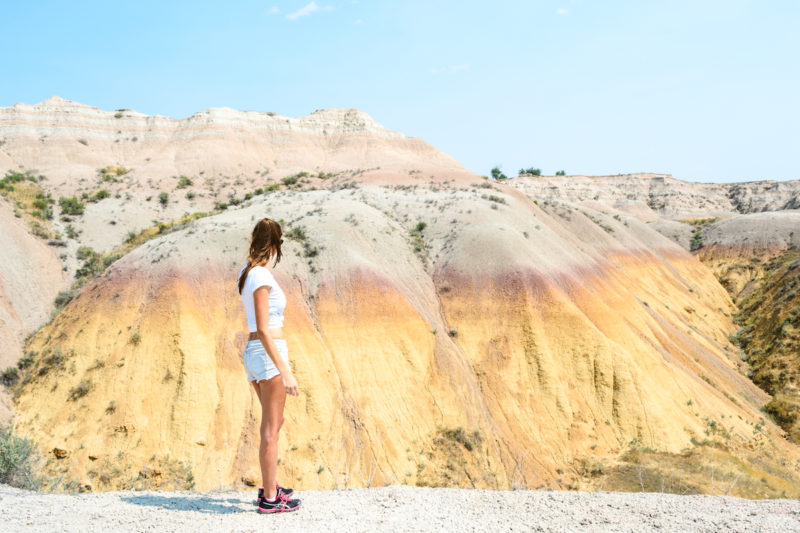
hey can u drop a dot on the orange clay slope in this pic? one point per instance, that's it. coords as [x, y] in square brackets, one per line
[531, 336]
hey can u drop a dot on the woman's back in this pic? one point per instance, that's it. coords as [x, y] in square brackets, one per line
[260, 276]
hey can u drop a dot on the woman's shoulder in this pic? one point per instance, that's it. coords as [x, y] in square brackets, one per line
[262, 272]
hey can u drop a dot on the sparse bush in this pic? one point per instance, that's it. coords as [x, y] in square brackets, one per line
[92, 263]
[184, 182]
[25, 361]
[497, 174]
[135, 339]
[460, 436]
[494, 198]
[99, 195]
[530, 171]
[560, 173]
[19, 462]
[9, 376]
[163, 198]
[63, 298]
[80, 390]
[56, 360]
[70, 205]
[297, 233]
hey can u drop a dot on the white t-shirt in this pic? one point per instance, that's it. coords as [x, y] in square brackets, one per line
[260, 276]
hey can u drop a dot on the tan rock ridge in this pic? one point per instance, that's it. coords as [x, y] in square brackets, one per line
[68, 142]
[668, 196]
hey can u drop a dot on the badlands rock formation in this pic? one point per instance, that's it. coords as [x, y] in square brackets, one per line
[444, 329]
[668, 196]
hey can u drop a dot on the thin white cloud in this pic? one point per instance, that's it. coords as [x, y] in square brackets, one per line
[309, 8]
[273, 10]
[359, 21]
[562, 11]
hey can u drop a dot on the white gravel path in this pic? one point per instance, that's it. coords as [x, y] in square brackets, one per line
[395, 508]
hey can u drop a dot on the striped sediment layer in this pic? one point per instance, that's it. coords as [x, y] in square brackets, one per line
[456, 334]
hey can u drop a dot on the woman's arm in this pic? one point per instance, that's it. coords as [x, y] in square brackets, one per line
[261, 302]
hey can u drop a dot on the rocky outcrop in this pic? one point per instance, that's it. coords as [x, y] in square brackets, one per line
[666, 195]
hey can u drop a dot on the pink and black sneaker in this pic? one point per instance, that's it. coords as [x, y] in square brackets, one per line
[281, 504]
[281, 490]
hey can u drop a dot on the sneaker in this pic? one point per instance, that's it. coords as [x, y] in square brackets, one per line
[281, 490]
[281, 504]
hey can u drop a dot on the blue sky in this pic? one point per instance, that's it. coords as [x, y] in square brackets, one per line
[705, 90]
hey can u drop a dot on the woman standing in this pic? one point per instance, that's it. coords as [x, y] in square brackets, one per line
[266, 357]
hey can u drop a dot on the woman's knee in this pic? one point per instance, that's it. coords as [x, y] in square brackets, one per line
[270, 434]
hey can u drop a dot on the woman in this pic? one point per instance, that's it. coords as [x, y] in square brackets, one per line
[266, 357]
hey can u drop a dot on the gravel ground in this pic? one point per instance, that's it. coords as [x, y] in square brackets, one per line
[395, 508]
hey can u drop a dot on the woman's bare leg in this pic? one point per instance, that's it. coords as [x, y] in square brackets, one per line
[258, 390]
[273, 397]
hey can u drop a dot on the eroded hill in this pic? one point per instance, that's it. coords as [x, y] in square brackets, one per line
[445, 329]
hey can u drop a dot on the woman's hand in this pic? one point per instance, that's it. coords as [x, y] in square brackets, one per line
[290, 384]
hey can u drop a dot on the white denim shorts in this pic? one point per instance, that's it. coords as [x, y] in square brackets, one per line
[257, 363]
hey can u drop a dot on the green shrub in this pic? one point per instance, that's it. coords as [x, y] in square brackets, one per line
[63, 298]
[55, 360]
[297, 233]
[560, 173]
[184, 182]
[19, 461]
[92, 263]
[9, 376]
[70, 205]
[496, 174]
[44, 214]
[25, 361]
[494, 198]
[530, 171]
[80, 390]
[289, 180]
[99, 195]
[163, 198]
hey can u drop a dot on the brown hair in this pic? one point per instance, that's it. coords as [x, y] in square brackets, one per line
[266, 235]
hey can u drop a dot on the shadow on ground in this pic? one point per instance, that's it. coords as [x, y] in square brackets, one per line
[202, 504]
